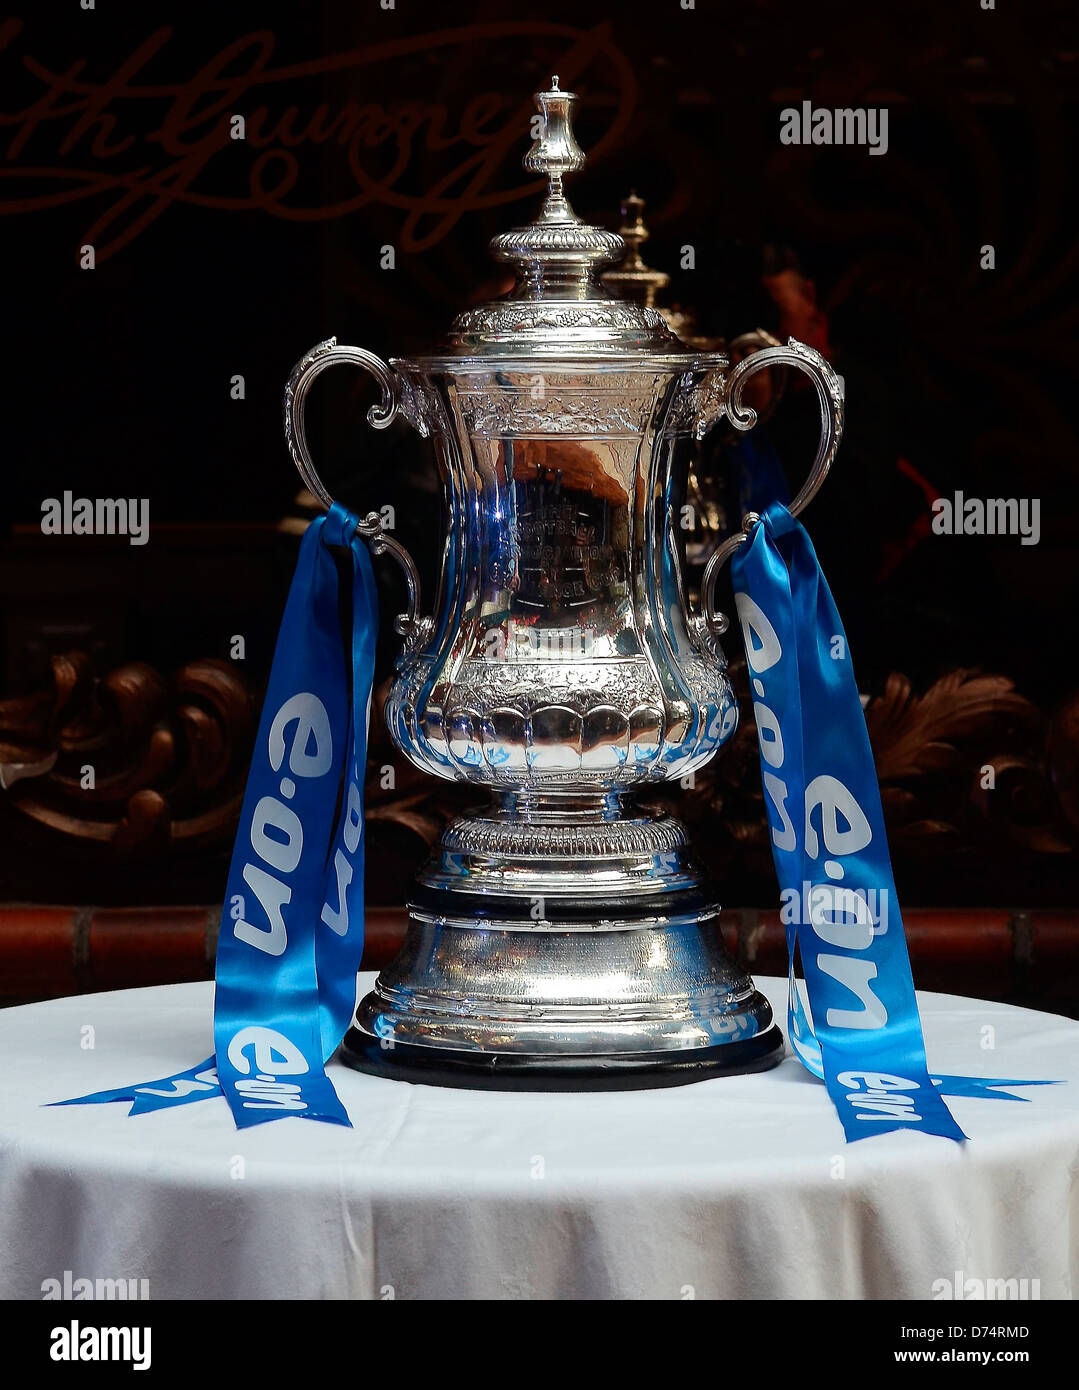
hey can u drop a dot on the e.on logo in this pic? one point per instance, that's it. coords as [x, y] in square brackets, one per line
[839, 918]
[880, 1095]
[274, 1056]
[281, 850]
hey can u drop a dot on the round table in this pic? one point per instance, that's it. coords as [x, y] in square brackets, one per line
[736, 1187]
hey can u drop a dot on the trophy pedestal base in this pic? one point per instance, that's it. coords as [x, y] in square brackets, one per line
[563, 948]
[479, 1071]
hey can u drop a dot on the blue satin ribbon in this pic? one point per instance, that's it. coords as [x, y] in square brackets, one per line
[292, 927]
[840, 908]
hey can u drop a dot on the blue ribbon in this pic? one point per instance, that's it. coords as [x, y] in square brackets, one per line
[840, 908]
[292, 928]
[183, 1087]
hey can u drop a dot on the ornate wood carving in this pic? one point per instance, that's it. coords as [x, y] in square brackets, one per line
[130, 761]
[971, 772]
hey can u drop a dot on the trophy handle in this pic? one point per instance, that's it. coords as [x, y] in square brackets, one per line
[408, 625]
[830, 397]
[756, 340]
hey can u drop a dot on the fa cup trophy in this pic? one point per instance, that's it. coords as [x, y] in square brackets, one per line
[564, 937]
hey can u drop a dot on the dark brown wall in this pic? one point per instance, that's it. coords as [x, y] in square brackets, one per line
[221, 258]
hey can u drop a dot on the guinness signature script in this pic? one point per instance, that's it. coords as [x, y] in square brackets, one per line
[138, 146]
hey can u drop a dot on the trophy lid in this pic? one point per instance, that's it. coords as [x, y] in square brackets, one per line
[558, 305]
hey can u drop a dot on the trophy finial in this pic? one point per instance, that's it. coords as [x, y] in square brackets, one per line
[557, 249]
[555, 151]
[557, 301]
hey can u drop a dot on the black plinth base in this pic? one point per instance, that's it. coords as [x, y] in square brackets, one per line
[484, 1071]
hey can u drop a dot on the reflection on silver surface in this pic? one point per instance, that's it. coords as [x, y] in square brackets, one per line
[560, 666]
[609, 992]
[560, 653]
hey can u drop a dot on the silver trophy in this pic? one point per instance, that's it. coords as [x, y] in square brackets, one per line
[564, 937]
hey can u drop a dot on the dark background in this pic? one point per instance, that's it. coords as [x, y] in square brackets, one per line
[217, 258]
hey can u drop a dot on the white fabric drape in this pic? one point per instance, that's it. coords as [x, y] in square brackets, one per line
[730, 1188]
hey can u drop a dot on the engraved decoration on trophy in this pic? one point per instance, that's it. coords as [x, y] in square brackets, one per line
[563, 937]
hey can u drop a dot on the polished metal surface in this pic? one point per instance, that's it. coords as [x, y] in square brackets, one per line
[620, 860]
[560, 666]
[561, 652]
[557, 305]
[562, 993]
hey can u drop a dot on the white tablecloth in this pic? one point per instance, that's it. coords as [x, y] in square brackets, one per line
[730, 1188]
